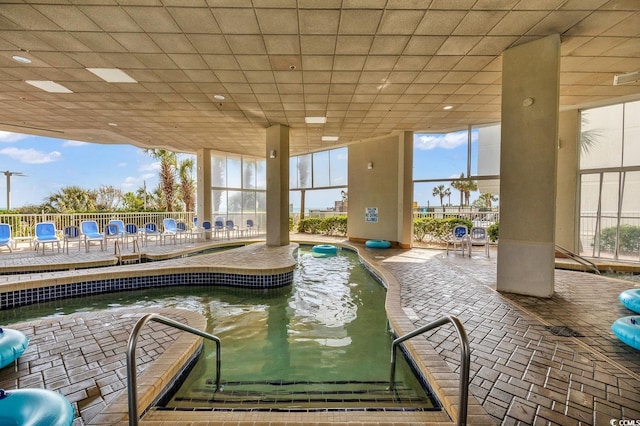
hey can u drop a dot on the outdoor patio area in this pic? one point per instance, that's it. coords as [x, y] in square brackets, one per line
[533, 361]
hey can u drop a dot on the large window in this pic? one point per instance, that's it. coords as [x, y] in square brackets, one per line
[238, 188]
[610, 182]
[457, 171]
[318, 182]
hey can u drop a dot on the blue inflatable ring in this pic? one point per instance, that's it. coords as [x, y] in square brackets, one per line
[631, 299]
[377, 244]
[12, 344]
[324, 249]
[627, 329]
[35, 407]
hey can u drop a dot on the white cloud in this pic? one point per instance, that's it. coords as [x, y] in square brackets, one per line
[123, 164]
[74, 143]
[11, 137]
[150, 167]
[135, 182]
[446, 141]
[31, 156]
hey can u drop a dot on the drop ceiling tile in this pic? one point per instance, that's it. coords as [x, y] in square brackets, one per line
[349, 63]
[236, 20]
[277, 21]
[153, 19]
[360, 22]
[353, 45]
[282, 44]
[246, 44]
[317, 45]
[195, 20]
[318, 21]
[400, 21]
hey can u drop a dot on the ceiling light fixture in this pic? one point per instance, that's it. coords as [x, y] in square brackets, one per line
[628, 78]
[21, 59]
[48, 86]
[330, 138]
[448, 107]
[219, 97]
[113, 124]
[315, 120]
[112, 75]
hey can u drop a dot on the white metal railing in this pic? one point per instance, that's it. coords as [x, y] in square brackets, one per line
[477, 217]
[23, 225]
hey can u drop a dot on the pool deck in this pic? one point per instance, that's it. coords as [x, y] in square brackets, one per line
[533, 361]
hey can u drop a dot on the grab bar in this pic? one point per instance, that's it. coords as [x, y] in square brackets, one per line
[581, 260]
[465, 360]
[131, 358]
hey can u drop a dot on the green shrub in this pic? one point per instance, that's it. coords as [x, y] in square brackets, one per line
[336, 225]
[629, 239]
[310, 225]
[292, 224]
[494, 231]
[432, 229]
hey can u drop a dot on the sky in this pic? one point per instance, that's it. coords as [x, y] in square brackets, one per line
[51, 164]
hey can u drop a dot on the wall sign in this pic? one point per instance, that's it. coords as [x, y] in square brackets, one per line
[371, 214]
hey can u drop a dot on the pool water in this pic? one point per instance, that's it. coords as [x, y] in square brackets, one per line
[326, 335]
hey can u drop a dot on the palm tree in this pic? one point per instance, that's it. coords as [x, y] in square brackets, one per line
[487, 198]
[468, 186]
[588, 138]
[187, 185]
[442, 192]
[168, 163]
[457, 184]
[71, 199]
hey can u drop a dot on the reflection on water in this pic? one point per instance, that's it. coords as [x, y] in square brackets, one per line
[329, 325]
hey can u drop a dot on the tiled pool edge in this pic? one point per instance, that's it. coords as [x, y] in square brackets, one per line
[89, 282]
[443, 381]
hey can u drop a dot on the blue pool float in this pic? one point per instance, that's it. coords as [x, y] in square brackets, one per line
[377, 244]
[631, 299]
[627, 329]
[12, 344]
[324, 249]
[35, 407]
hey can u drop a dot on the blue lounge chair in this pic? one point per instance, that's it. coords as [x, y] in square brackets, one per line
[170, 230]
[459, 238]
[252, 227]
[46, 234]
[71, 234]
[218, 227]
[206, 227]
[131, 231]
[90, 233]
[150, 230]
[5, 236]
[230, 227]
[111, 232]
[120, 229]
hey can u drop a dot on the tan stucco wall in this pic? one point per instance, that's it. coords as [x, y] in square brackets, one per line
[387, 186]
[567, 185]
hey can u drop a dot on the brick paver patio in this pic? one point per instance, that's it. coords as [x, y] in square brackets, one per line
[534, 361]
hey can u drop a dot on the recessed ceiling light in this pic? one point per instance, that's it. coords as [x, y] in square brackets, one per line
[330, 138]
[112, 75]
[219, 97]
[448, 107]
[315, 120]
[21, 59]
[113, 124]
[48, 86]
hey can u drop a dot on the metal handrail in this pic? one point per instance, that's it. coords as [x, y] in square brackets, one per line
[131, 358]
[465, 360]
[581, 260]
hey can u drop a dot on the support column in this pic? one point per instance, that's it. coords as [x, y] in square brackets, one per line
[567, 188]
[277, 185]
[203, 185]
[529, 146]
